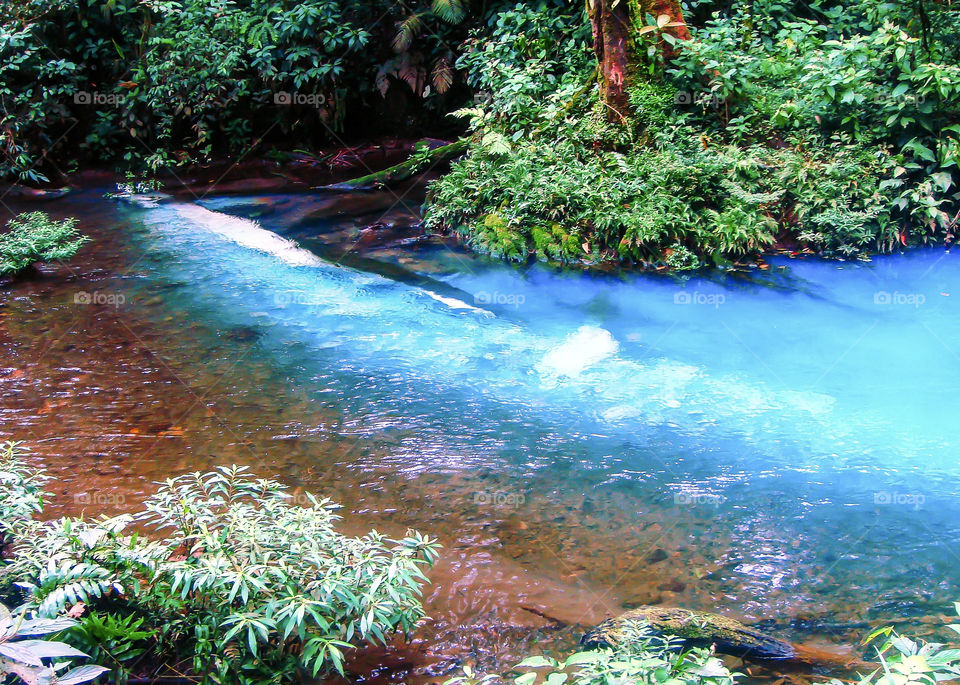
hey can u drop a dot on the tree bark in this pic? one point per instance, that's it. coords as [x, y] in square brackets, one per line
[613, 45]
[613, 23]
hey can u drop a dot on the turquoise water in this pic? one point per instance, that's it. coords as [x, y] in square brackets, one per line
[778, 443]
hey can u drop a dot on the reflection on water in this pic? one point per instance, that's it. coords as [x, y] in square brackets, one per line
[777, 447]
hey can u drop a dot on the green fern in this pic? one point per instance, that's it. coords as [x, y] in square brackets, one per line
[409, 28]
[451, 11]
[35, 237]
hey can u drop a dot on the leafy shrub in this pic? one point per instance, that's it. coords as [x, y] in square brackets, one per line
[21, 491]
[22, 655]
[904, 661]
[112, 639]
[644, 659]
[35, 237]
[240, 581]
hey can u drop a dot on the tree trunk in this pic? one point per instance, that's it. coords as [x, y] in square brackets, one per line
[613, 23]
[613, 45]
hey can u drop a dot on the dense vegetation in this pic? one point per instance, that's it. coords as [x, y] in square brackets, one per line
[235, 583]
[163, 83]
[823, 126]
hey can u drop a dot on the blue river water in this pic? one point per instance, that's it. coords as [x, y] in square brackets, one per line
[779, 442]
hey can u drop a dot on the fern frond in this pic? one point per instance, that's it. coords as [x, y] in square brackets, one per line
[451, 11]
[442, 76]
[409, 28]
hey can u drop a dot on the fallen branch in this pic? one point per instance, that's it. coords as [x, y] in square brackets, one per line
[403, 170]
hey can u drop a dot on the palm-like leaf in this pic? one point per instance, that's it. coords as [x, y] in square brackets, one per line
[442, 76]
[409, 28]
[451, 11]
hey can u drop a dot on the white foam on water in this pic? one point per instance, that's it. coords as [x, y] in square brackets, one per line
[815, 403]
[454, 303]
[581, 350]
[145, 200]
[250, 234]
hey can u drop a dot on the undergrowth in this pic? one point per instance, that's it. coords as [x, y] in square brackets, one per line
[833, 135]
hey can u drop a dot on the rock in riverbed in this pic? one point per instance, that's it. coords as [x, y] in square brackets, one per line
[697, 629]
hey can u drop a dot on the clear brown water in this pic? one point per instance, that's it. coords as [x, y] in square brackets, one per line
[560, 497]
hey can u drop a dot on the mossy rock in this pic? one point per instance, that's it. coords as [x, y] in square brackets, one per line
[696, 629]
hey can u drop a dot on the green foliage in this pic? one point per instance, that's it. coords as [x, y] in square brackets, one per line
[820, 128]
[112, 639]
[524, 72]
[21, 491]
[867, 78]
[36, 661]
[172, 82]
[645, 658]
[240, 581]
[909, 662]
[35, 237]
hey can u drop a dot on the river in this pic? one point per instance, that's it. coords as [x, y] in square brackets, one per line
[773, 445]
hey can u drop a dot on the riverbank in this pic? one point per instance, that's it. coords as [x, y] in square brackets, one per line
[282, 172]
[277, 172]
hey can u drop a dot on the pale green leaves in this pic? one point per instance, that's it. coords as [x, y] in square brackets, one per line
[25, 658]
[644, 658]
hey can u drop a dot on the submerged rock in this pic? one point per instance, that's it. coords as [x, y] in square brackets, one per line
[697, 629]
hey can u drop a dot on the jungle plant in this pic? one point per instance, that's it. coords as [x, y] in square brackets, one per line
[21, 491]
[112, 639]
[903, 661]
[643, 659]
[36, 661]
[240, 581]
[35, 237]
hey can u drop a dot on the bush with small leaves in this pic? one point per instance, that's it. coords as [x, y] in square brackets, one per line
[35, 237]
[235, 577]
[21, 491]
